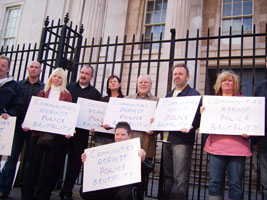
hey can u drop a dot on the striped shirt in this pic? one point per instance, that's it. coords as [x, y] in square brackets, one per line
[28, 90]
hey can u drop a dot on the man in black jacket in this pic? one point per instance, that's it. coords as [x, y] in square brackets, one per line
[29, 87]
[79, 141]
[261, 90]
[177, 153]
[10, 100]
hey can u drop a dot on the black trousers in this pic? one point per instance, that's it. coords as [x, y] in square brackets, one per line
[76, 146]
[125, 192]
[45, 166]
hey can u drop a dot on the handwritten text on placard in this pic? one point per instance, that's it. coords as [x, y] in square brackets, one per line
[138, 113]
[7, 128]
[112, 165]
[173, 114]
[233, 115]
[91, 115]
[51, 116]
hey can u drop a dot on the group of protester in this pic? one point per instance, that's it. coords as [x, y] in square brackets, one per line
[45, 152]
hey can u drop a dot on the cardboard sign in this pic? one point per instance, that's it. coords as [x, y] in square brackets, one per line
[173, 114]
[138, 113]
[7, 129]
[51, 116]
[233, 115]
[92, 115]
[112, 165]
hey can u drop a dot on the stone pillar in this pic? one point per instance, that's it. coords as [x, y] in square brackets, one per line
[178, 16]
[195, 23]
[93, 19]
[182, 16]
[115, 25]
[115, 19]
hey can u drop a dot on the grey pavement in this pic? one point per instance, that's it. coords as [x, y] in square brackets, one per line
[15, 194]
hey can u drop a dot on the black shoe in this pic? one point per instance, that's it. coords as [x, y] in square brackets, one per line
[3, 196]
[65, 197]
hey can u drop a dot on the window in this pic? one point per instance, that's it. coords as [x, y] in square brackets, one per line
[236, 13]
[11, 26]
[155, 18]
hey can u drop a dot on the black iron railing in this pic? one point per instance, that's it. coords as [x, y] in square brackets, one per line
[206, 55]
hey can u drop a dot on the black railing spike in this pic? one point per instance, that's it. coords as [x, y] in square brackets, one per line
[66, 18]
[46, 22]
[81, 29]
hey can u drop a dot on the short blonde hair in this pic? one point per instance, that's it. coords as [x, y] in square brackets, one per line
[222, 76]
[62, 74]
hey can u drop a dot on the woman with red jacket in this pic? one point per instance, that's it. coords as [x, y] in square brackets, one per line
[48, 149]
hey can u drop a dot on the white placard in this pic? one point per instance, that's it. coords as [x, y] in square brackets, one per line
[7, 129]
[233, 115]
[91, 115]
[51, 116]
[138, 113]
[112, 165]
[173, 114]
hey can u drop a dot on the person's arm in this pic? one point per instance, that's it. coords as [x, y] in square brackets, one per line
[17, 101]
[196, 122]
[147, 165]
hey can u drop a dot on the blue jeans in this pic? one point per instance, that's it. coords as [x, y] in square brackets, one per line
[8, 172]
[235, 167]
[263, 168]
[176, 165]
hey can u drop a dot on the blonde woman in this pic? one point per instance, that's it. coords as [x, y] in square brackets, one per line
[48, 149]
[227, 152]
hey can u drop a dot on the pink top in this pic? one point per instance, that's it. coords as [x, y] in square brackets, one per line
[228, 145]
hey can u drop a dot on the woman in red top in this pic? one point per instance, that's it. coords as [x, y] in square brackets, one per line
[227, 152]
[47, 149]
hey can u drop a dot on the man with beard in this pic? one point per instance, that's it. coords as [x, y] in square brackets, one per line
[177, 153]
[29, 87]
[79, 141]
